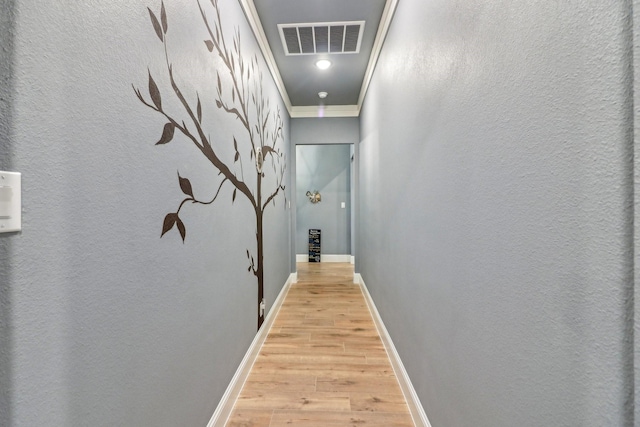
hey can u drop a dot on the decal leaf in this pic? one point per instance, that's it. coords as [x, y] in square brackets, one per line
[237, 157]
[235, 191]
[185, 185]
[155, 93]
[163, 18]
[199, 110]
[169, 222]
[209, 44]
[167, 134]
[218, 103]
[181, 228]
[156, 25]
[219, 84]
[235, 144]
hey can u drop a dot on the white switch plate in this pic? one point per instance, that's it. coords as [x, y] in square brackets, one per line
[10, 202]
[343, 205]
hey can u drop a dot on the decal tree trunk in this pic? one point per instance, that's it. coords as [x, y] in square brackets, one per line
[241, 97]
[260, 270]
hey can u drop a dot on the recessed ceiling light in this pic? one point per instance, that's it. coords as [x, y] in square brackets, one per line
[322, 95]
[323, 64]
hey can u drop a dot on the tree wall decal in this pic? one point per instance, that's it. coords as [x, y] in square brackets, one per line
[262, 130]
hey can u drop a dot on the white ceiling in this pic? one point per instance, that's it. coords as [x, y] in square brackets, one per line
[298, 80]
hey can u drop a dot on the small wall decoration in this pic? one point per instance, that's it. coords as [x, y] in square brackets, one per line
[314, 197]
[242, 99]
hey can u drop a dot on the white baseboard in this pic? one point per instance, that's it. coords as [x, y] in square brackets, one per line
[353, 260]
[335, 258]
[225, 406]
[325, 258]
[415, 407]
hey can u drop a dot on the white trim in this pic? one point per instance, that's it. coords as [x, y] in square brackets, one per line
[225, 406]
[330, 110]
[353, 260]
[383, 29]
[256, 26]
[325, 258]
[415, 407]
[335, 258]
[313, 111]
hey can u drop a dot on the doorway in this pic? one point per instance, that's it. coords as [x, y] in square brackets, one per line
[324, 200]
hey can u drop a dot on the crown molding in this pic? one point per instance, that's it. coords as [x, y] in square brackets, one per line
[383, 29]
[325, 111]
[251, 14]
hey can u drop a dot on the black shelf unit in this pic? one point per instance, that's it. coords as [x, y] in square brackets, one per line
[314, 245]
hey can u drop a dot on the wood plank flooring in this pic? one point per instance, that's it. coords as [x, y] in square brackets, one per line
[323, 363]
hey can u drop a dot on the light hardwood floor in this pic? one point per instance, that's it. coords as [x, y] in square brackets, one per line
[323, 363]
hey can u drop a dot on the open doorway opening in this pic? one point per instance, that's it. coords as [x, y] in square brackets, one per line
[324, 197]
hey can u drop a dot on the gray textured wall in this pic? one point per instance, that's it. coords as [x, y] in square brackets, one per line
[7, 33]
[102, 322]
[327, 169]
[496, 217]
[636, 246]
[329, 130]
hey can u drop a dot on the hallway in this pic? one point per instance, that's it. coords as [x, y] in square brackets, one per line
[493, 190]
[323, 362]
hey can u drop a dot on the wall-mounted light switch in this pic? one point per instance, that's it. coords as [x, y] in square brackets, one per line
[343, 205]
[10, 202]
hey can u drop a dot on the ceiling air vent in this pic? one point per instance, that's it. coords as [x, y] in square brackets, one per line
[321, 37]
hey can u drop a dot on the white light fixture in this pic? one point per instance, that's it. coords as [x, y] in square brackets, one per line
[323, 64]
[322, 95]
